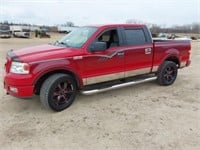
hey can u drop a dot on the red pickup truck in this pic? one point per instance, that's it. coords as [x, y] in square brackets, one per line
[93, 59]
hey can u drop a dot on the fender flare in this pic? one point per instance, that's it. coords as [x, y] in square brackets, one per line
[171, 53]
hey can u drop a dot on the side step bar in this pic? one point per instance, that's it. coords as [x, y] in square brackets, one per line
[90, 92]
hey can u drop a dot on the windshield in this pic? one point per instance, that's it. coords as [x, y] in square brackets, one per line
[77, 37]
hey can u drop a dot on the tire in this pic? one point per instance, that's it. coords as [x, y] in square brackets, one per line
[58, 92]
[167, 73]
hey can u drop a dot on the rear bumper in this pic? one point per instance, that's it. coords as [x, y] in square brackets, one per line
[17, 86]
[185, 63]
[188, 63]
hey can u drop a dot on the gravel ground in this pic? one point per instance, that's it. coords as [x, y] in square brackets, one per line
[145, 116]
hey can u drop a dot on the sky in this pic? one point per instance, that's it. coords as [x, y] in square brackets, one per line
[85, 12]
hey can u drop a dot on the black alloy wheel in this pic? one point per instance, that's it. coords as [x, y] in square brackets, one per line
[58, 92]
[167, 73]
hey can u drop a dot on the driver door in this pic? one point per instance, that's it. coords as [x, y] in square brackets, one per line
[106, 65]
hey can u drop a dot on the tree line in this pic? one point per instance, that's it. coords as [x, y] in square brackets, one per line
[154, 28]
[190, 28]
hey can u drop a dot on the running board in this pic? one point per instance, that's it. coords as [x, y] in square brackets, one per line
[90, 92]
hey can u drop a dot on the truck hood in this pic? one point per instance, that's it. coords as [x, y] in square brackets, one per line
[45, 52]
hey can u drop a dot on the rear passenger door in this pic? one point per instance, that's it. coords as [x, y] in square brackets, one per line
[138, 51]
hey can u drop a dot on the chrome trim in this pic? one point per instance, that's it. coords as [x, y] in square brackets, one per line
[77, 57]
[148, 50]
[155, 68]
[111, 54]
[89, 92]
[137, 72]
[120, 54]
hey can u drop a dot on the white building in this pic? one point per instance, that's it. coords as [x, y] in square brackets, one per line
[65, 29]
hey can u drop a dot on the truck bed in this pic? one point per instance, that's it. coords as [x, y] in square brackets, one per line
[163, 47]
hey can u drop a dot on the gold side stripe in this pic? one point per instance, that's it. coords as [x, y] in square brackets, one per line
[137, 72]
[84, 81]
[155, 68]
[103, 78]
[120, 75]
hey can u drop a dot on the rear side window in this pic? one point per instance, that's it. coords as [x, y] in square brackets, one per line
[135, 36]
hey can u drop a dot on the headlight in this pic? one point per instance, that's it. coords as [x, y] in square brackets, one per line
[19, 68]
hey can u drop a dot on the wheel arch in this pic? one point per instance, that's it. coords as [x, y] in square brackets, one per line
[42, 77]
[171, 57]
[174, 59]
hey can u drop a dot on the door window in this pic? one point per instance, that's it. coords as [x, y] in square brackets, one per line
[135, 36]
[110, 37]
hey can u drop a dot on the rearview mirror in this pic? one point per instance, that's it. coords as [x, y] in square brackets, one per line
[98, 46]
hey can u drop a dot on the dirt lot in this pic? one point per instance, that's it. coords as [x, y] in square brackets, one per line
[145, 116]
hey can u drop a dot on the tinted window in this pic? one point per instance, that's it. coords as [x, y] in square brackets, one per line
[135, 36]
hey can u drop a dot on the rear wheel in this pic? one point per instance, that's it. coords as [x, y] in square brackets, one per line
[168, 73]
[58, 92]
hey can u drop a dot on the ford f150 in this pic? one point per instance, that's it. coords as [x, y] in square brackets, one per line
[93, 59]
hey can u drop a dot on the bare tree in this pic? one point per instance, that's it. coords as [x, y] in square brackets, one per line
[195, 28]
[69, 24]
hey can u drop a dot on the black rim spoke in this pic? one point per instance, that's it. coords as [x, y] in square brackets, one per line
[59, 87]
[62, 93]
[65, 86]
[169, 74]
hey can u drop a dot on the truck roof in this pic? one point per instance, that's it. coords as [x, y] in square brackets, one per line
[118, 25]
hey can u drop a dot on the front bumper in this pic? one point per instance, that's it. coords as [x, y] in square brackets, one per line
[18, 85]
[5, 36]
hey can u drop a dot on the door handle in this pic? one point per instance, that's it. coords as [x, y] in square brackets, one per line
[148, 50]
[120, 54]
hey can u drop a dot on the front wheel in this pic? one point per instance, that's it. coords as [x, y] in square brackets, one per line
[167, 73]
[58, 92]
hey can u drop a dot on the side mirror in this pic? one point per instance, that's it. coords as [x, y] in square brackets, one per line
[98, 46]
